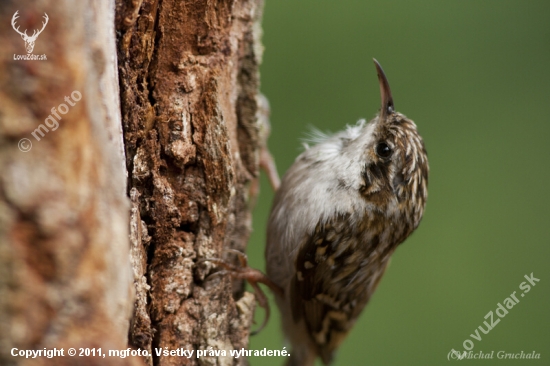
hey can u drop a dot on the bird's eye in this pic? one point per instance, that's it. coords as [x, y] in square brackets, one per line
[383, 150]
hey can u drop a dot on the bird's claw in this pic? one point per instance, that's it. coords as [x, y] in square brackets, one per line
[253, 276]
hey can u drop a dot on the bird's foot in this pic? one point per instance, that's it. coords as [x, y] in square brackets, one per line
[253, 276]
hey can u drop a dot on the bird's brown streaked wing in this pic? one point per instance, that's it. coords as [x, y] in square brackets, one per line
[329, 290]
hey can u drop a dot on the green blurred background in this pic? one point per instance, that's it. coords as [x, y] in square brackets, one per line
[474, 76]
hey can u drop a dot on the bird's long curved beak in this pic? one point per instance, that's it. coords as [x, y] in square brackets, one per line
[385, 92]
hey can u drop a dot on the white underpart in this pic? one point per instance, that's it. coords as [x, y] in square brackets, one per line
[309, 192]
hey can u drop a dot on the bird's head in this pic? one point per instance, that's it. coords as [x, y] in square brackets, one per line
[395, 169]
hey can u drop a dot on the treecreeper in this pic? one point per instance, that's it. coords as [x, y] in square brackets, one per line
[339, 213]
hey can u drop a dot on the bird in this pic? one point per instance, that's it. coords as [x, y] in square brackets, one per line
[342, 209]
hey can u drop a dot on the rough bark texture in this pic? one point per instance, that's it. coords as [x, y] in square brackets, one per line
[189, 85]
[65, 280]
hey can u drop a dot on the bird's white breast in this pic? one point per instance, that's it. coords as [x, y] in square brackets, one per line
[323, 182]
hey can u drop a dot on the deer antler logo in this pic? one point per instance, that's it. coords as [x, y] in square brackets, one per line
[29, 41]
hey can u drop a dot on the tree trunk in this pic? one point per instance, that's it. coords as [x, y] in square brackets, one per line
[76, 228]
[189, 92]
[65, 277]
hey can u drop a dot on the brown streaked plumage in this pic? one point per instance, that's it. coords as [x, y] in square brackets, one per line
[340, 212]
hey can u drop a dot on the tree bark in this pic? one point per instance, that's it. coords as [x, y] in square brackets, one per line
[189, 93]
[140, 190]
[65, 278]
